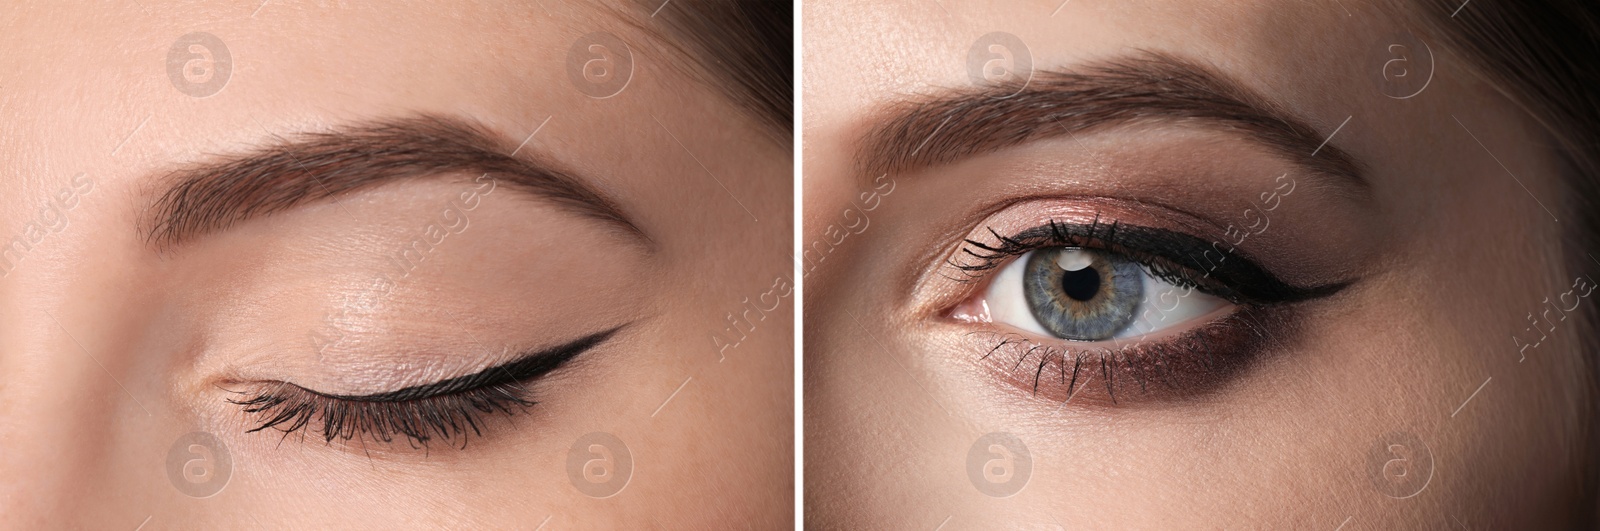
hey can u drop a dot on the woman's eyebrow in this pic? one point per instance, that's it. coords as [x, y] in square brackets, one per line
[943, 128]
[216, 195]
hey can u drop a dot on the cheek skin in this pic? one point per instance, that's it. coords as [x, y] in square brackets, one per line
[1521, 426]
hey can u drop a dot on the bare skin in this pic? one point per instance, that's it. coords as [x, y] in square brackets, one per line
[1444, 254]
[113, 348]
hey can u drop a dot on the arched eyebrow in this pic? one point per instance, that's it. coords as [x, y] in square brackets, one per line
[947, 126]
[286, 173]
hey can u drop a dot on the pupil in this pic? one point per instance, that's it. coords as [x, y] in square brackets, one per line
[1082, 284]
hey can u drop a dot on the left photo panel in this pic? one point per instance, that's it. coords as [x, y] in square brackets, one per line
[348, 264]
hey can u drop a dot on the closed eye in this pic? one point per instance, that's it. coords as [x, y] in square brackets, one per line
[447, 410]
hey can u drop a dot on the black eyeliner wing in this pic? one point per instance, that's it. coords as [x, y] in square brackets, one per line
[524, 368]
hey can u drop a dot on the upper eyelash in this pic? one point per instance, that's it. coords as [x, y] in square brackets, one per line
[447, 409]
[291, 408]
[991, 256]
[1231, 276]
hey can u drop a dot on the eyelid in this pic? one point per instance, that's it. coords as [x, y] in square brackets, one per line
[445, 409]
[528, 366]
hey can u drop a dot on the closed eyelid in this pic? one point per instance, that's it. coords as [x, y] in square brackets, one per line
[447, 410]
[528, 366]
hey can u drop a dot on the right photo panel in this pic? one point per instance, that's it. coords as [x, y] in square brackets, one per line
[1080, 264]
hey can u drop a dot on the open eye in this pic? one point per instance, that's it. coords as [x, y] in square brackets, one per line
[1121, 303]
[1085, 294]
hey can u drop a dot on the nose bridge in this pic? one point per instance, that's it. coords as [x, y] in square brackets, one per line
[74, 399]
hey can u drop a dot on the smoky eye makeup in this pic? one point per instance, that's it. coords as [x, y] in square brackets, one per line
[1112, 313]
[448, 411]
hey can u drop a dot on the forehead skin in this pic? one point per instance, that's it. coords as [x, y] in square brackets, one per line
[88, 92]
[1291, 448]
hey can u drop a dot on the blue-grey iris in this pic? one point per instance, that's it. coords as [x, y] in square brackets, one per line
[1082, 294]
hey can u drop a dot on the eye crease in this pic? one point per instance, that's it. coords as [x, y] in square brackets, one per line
[449, 409]
[1125, 303]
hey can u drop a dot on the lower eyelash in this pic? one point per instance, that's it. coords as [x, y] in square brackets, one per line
[289, 408]
[1197, 362]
